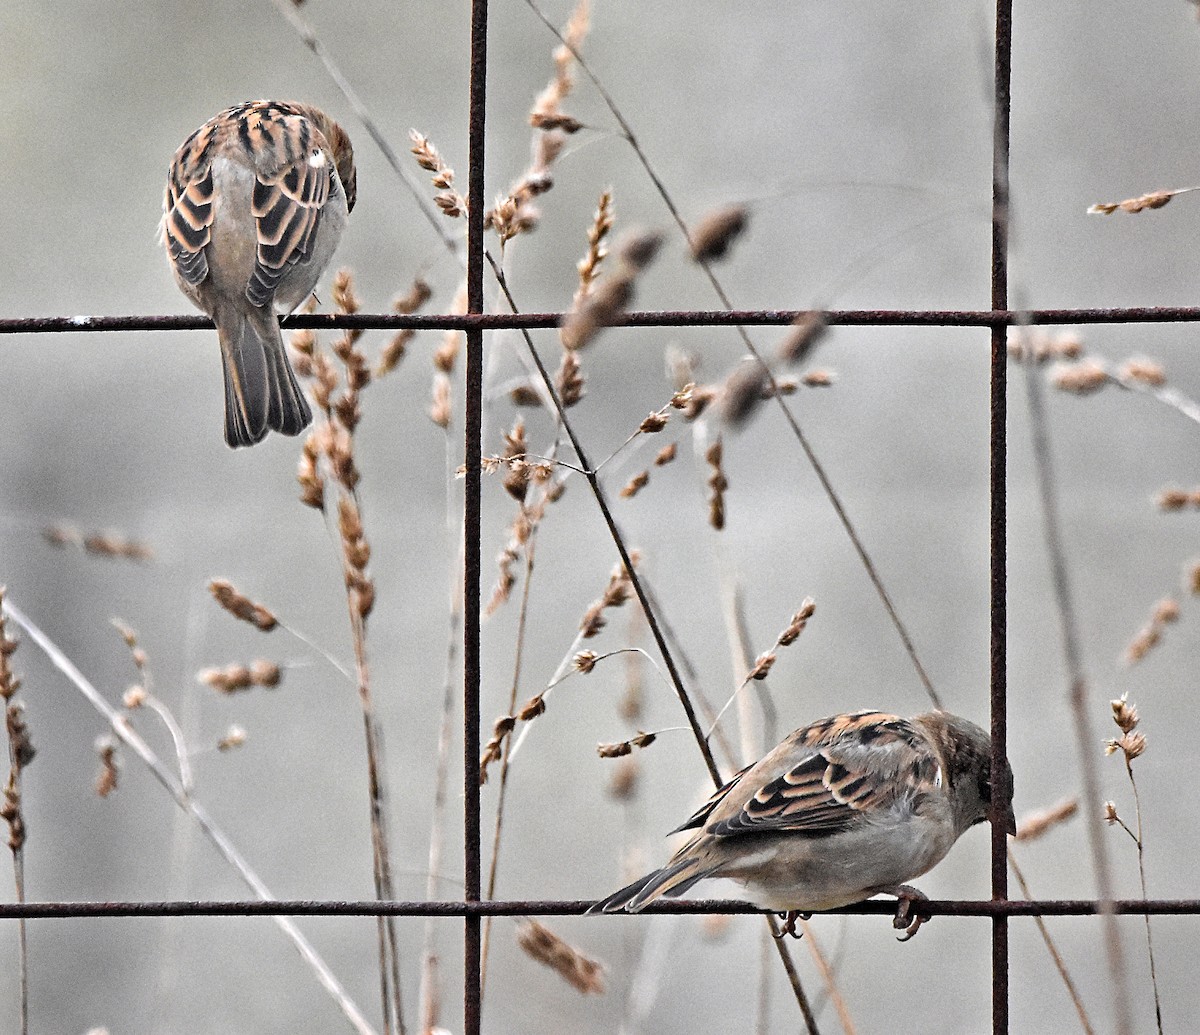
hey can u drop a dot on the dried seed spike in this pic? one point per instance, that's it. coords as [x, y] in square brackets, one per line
[1035, 826]
[584, 661]
[762, 666]
[1143, 371]
[532, 708]
[9, 683]
[617, 750]
[666, 454]
[1125, 715]
[717, 483]
[234, 737]
[241, 606]
[1166, 611]
[716, 231]
[653, 423]
[635, 485]
[1173, 499]
[742, 391]
[796, 625]
[581, 972]
[1081, 378]
[806, 330]
[638, 248]
[106, 781]
[416, 296]
[569, 380]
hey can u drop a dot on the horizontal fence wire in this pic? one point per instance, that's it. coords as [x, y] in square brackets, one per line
[648, 318]
[575, 907]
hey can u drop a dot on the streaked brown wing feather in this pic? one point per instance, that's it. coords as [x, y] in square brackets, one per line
[286, 208]
[700, 816]
[852, 769]
[188, 207]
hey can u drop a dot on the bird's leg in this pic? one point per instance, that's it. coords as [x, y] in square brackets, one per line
[789, 923]
[905, 920]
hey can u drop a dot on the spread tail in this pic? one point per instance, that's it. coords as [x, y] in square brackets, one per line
[261, 391]
[672, 880]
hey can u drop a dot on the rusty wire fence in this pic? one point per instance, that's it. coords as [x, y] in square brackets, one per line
[472, 908]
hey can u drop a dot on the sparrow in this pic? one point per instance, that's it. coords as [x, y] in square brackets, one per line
[846, 808]
[255, 204]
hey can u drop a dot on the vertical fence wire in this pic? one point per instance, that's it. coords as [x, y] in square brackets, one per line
[472, 525]
[998, 470]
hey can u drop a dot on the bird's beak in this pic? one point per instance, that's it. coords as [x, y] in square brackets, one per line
[1010, 821]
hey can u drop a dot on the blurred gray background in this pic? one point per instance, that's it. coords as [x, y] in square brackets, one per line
[861, 135]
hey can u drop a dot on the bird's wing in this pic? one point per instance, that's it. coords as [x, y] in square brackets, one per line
[188, 206]
[845, 768]
[287, 207]
[700, 816]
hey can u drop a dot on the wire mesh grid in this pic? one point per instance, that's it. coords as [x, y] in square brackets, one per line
[472, 908]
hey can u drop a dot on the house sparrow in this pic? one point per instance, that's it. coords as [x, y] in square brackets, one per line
[256, 201]
[846, 808]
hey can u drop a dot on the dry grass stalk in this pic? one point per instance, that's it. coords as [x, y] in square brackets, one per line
[717, 230]
[589, 265]
[1154, 199]
[1032, 827]
[514, 213]
[232, 678]
[20, 754]
[581, 972]
[717, 484]
[547, 108]
[524, 524]
[625, 747]
[1132, 744]
[1149, 636]
[448, 200]
[241, 606]
[615, 594]
[100, 544]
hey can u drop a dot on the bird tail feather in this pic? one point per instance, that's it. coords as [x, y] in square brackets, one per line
[261, 391]
[672, 880]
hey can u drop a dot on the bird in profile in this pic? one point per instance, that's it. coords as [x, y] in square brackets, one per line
[256, 201]
[846, 808]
